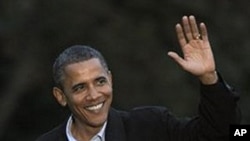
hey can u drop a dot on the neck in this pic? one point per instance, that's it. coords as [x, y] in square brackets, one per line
[82, 131]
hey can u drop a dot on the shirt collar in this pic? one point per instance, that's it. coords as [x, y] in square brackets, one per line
[100, 134]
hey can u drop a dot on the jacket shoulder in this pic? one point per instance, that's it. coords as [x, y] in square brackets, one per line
[56, 134]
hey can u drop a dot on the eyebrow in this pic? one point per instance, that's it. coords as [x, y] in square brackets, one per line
[83, 83]
[100, 77]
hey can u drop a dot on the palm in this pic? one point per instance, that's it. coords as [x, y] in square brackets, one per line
[198, 57]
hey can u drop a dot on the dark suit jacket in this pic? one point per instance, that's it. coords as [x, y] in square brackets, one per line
[217, 110]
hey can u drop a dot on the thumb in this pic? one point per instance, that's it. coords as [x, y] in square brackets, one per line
[176, 58]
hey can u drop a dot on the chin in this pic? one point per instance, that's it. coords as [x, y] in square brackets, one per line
[97, 121]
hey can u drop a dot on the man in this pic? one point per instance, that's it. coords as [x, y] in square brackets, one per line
[84, 85]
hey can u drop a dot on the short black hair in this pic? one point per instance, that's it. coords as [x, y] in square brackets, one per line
[74, 54]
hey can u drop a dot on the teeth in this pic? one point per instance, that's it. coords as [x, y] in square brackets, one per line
[95, 107]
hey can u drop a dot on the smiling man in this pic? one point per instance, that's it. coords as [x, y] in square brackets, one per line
[84, 84]
[87, 90]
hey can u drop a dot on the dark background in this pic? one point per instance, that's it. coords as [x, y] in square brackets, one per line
[133, 35]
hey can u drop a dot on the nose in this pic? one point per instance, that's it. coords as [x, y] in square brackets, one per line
[93, 93]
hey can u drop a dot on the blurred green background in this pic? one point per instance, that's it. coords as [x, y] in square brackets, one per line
[133, 35]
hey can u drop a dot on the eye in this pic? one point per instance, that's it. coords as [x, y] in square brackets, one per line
[79, 87]
[101, 81]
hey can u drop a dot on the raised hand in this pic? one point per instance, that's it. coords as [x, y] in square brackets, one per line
[197, 53]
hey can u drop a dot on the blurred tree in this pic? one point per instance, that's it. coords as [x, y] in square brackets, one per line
[134, 36]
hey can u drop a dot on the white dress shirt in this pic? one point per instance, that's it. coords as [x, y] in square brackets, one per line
[100, 136]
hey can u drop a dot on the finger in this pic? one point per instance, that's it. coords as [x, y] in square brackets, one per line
[187, 29]
[194, 27]
[204, 32]
[180, 35]
[176, 58]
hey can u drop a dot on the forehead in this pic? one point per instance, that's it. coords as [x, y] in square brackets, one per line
[84, 67]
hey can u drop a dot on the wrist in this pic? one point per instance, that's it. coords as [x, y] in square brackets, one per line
[209, 78]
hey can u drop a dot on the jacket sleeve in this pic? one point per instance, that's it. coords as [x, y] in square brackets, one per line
[217, 110]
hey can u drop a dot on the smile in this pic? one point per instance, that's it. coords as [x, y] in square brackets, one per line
[95, 107]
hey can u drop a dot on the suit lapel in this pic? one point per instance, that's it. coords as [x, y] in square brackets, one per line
[62, 130]
[115, 130]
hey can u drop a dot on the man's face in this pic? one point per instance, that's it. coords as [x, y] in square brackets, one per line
[88, 92]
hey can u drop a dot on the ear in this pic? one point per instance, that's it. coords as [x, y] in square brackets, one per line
[60, 96]
[110, 77]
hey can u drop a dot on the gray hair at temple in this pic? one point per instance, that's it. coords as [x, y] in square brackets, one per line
[74, 54]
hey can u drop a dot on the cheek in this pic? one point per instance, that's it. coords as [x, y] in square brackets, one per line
[105, 89]
[108, 91]
[76, 100]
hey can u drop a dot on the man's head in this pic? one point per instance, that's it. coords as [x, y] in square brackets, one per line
[84, 84]
[74, 54]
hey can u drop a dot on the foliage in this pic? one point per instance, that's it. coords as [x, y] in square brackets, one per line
[134, 36]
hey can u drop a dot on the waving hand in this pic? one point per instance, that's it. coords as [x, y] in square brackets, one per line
[197, 53]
